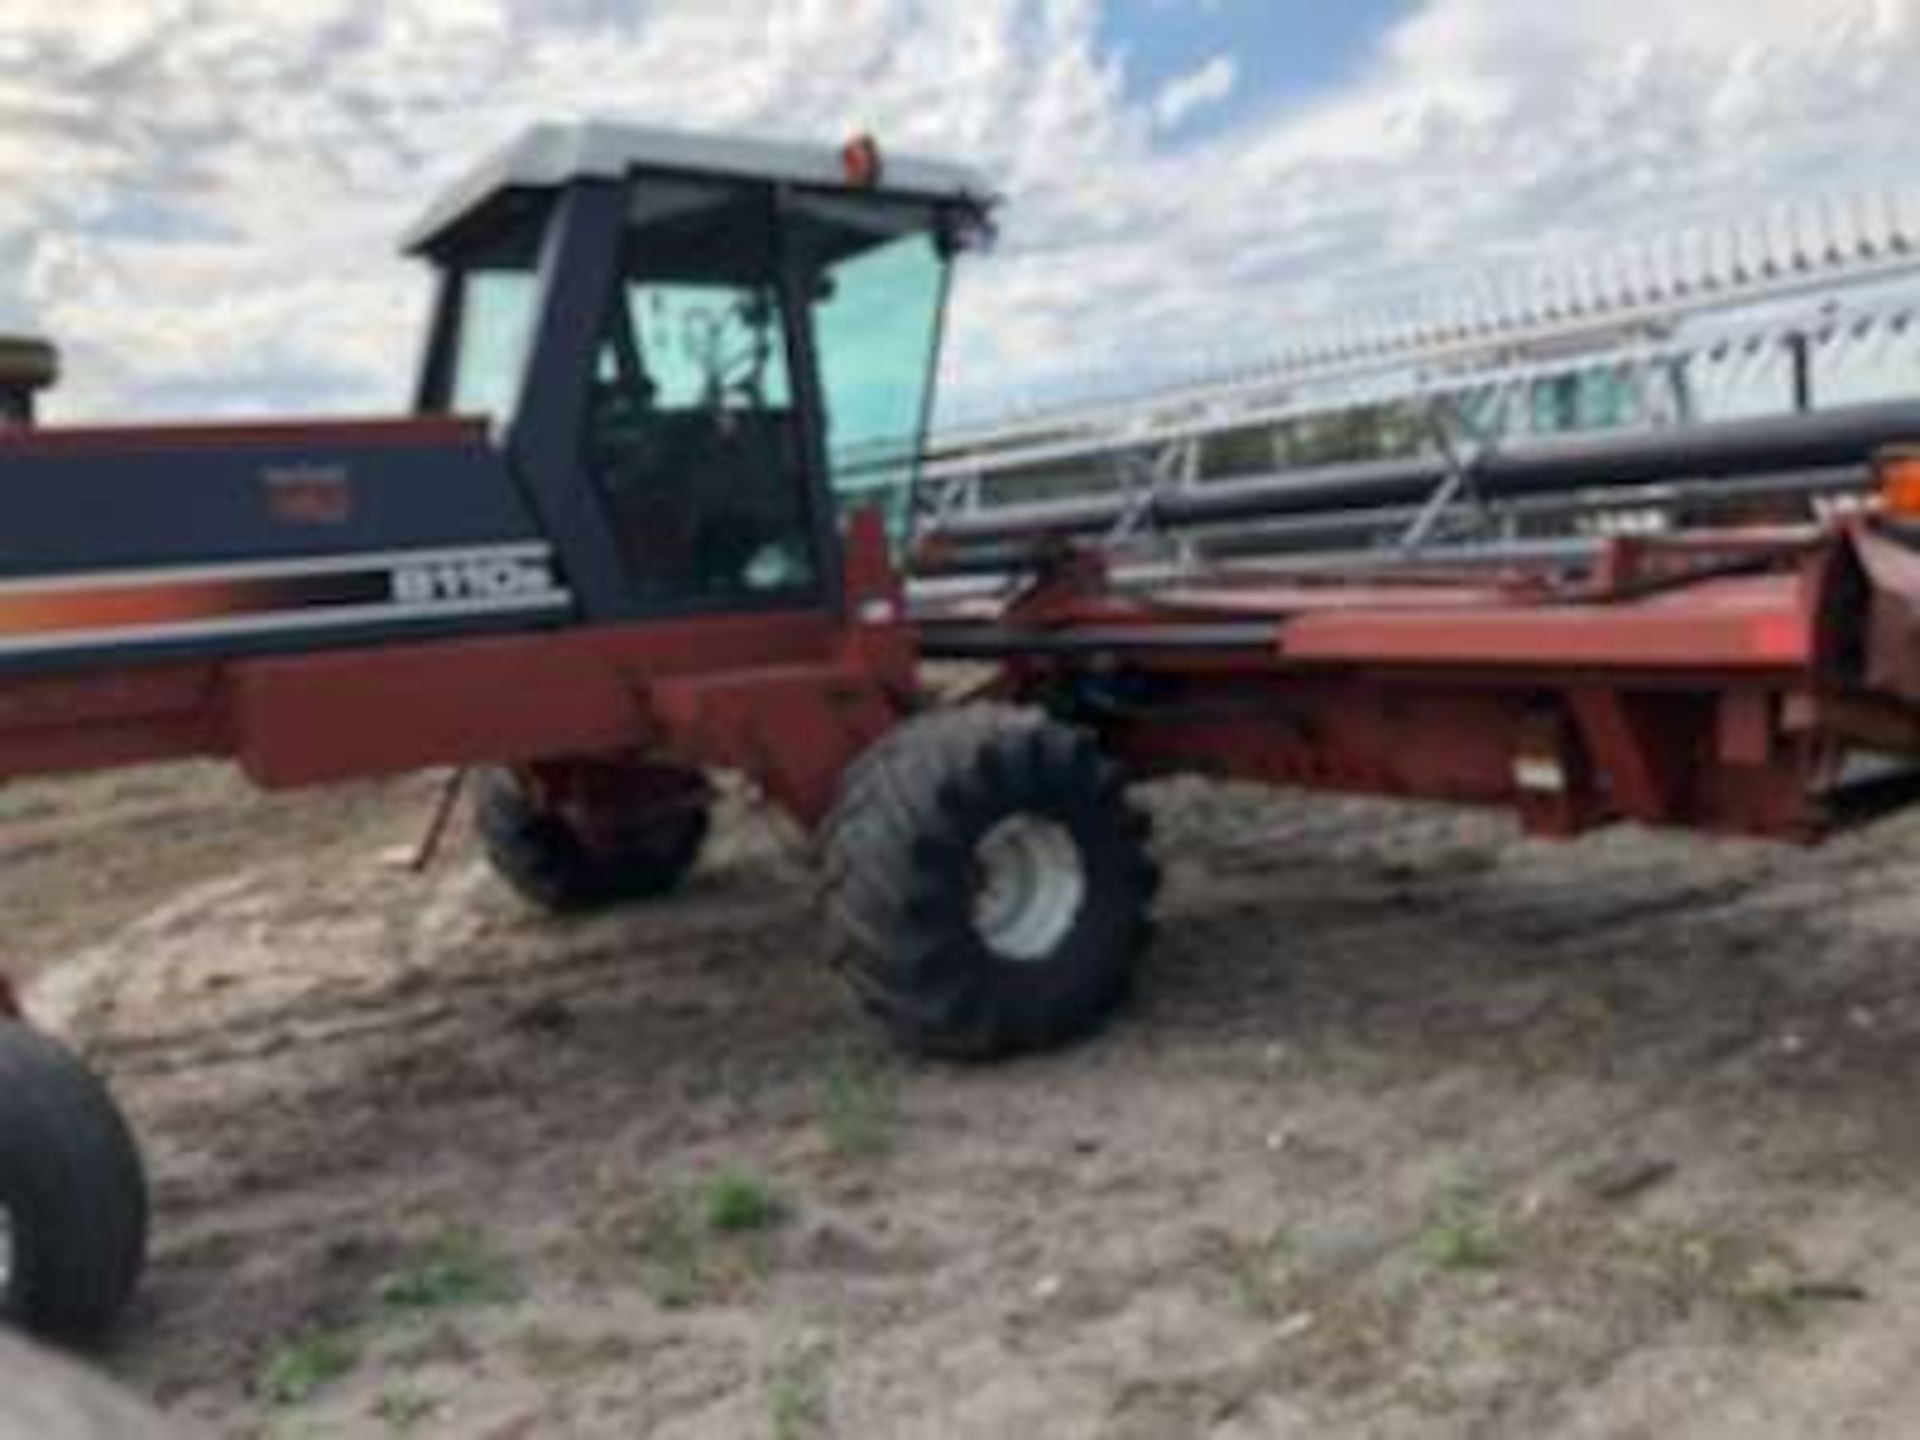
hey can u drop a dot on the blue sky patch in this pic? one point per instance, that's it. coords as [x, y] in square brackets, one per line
[1285, 52]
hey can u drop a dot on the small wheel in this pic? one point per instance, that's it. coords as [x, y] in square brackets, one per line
[540, 855]
[988, 883]
[73, 1194]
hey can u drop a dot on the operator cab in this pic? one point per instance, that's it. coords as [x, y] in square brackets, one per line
[696, 350]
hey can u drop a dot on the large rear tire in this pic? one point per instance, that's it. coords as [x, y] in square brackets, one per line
[540, 855]
[73, 1194]
[988, 883]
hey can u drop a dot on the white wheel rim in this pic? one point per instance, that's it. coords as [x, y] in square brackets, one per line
[1032, 885]
[7, 1258]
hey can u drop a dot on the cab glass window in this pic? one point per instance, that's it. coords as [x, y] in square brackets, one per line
[876, 277]
[496, 327]
[496, 302]
[693, 436]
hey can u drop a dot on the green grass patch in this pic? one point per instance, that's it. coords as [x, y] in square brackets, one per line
[455, 1271]
[404, 1410]
[709, 1243]
[1461, 1236]
[300, 1369]
[1258, 1270]
[858, 1105]
[673, 1256]
[736, 1203]
[797, 1407]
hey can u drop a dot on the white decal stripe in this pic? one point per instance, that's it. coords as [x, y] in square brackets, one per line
[332, 617]
[273, 569]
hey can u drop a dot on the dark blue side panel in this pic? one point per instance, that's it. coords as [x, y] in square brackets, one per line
[70, 504]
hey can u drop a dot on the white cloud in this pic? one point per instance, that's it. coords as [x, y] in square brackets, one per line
[197, 197]
[1185, 94]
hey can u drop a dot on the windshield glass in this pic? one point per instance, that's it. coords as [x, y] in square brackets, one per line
[710, 268]
[877, 283]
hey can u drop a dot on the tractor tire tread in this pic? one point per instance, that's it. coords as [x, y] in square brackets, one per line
[74, 1186]
[542, 861]
[899, 848]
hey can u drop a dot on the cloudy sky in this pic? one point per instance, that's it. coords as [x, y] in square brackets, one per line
[199, 197]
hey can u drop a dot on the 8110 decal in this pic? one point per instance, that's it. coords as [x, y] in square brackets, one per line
[477, 577]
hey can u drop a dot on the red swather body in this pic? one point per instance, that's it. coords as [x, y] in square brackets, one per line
[638, 573]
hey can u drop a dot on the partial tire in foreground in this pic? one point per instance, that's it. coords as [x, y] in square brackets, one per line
[988, 882]
[542, 856]
[73, 1194]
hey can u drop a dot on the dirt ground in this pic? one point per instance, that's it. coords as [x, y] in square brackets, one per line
[1417, 1129]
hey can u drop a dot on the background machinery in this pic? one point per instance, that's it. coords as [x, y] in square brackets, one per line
[1799, 310]
[609, 556]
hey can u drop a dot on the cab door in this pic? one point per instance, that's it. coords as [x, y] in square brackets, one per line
[698, 440]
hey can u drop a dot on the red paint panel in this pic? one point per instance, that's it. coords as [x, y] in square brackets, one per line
[542, 694]
[53, 724]
[106, 744]
[299, 721]
[117, 695]
[714, 644]
[1759, 628]
[1633, 751]
[1279, 602]
[1746, 728]
[763, 681]
[793, 729]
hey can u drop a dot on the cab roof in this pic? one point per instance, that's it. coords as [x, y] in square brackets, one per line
[547, 157]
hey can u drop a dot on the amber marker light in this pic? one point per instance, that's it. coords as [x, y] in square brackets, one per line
[1900, 483]
[860, 162]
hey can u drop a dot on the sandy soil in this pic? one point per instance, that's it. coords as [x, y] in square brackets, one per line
[1417, 1129]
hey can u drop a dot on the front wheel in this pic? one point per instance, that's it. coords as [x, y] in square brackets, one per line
[988, 883]
[73, 1194]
